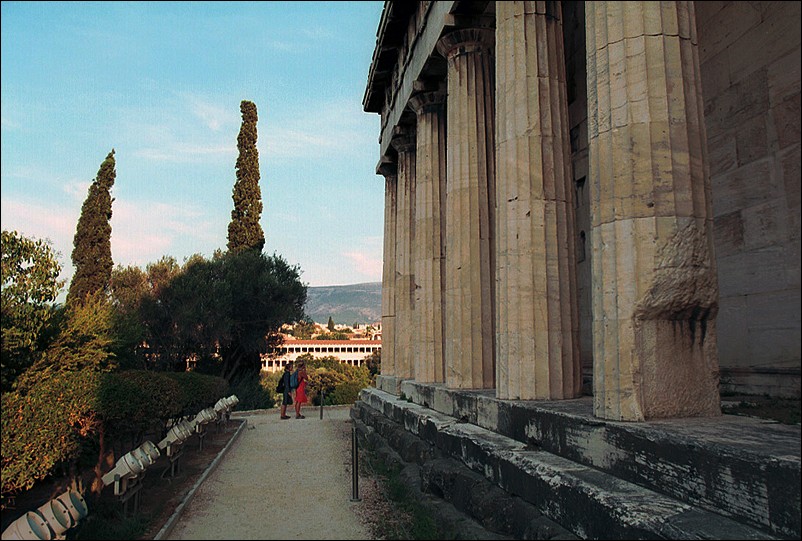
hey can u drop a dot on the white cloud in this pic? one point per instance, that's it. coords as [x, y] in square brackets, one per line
[319, 33]
[279, 46]
[144, 231]
[214, 116]
[366, 264]
[178, 152]
[289, 143]
[325, 130]
[54, 222]
[182, 127]
[7, 123]
[77, 190]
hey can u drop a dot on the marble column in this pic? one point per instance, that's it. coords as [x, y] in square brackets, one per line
[537, 312]
[405, 341]
[389, 170]
[470, 207]
[429, 254]
[655, 291]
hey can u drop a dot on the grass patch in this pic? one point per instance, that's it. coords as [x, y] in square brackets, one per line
[107, 522]
[410, 518]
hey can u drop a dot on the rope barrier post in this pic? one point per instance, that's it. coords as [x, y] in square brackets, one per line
[354, 467]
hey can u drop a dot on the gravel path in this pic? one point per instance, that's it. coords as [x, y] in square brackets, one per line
[282, 479]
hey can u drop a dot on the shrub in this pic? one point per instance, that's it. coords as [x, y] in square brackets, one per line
[199, 391]
[254, 393]
[135, 401]
[346, 392]
[44, 427]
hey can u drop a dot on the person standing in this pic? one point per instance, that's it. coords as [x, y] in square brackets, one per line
[300, 392]
[287, 392]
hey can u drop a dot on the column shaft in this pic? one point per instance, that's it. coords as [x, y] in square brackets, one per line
[470, 207]
[405, 340]
[655, 292]
[537, 315]
[388, 273]
[430, 195]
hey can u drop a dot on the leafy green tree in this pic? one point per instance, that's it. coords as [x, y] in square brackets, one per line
[336, 335]
[91, 254]
[129, 289]
[374, 363]
[142, 317]
[339, 383]
[264, 293]
[196, 310]
[225, 311]
[86, 342]
[30, 285]
[244, 231]
[163, 272]
[330, 325]
[304, 330]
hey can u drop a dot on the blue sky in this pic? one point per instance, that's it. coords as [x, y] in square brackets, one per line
[161, 83]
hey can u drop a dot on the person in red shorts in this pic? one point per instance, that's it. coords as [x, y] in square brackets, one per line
[300, 392]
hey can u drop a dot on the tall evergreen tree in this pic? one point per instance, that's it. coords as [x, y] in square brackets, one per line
[244, 231]
[91, 254]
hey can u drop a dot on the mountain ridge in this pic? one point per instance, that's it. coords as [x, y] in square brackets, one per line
[345, 304]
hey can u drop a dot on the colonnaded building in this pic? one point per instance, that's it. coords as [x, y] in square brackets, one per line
[350, 352]
[605, 188]
[593, 198]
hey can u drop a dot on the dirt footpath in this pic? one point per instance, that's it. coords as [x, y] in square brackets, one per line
[281, 479]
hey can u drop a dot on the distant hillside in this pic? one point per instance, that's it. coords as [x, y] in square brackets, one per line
[357, 303]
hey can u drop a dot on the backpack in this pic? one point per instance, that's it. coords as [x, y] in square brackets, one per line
[294, 380]
[280, 386]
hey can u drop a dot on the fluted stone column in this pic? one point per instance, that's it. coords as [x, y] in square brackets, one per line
[389, 171]
[470, 204]
[537, 312]
[405, 341]
[655, 292]
[429, 255]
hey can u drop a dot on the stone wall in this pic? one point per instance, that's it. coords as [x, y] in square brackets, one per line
[750, 61]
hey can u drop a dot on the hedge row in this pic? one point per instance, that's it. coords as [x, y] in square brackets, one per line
[57, 422]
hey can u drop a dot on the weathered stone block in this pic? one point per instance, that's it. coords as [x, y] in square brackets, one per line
[749, 185]
[786, 116]
[728, 234]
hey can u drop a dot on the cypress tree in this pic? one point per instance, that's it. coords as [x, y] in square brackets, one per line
[244, 231]
[91, 254]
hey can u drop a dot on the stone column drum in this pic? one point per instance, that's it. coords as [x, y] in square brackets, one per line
[537, 314]
[404, 143]
[429, 254]
[655, 291]
[389, 170]
[470, 205]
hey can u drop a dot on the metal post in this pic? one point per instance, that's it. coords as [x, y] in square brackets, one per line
[322, 397]
[201, 435]
[354, 467]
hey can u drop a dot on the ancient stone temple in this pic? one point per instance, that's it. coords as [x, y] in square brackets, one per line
[592, 235]
[599, 196]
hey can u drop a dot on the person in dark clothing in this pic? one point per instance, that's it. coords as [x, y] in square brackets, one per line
[287, 396]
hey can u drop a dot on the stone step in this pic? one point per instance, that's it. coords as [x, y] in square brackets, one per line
[590, 501]
[744, 468]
